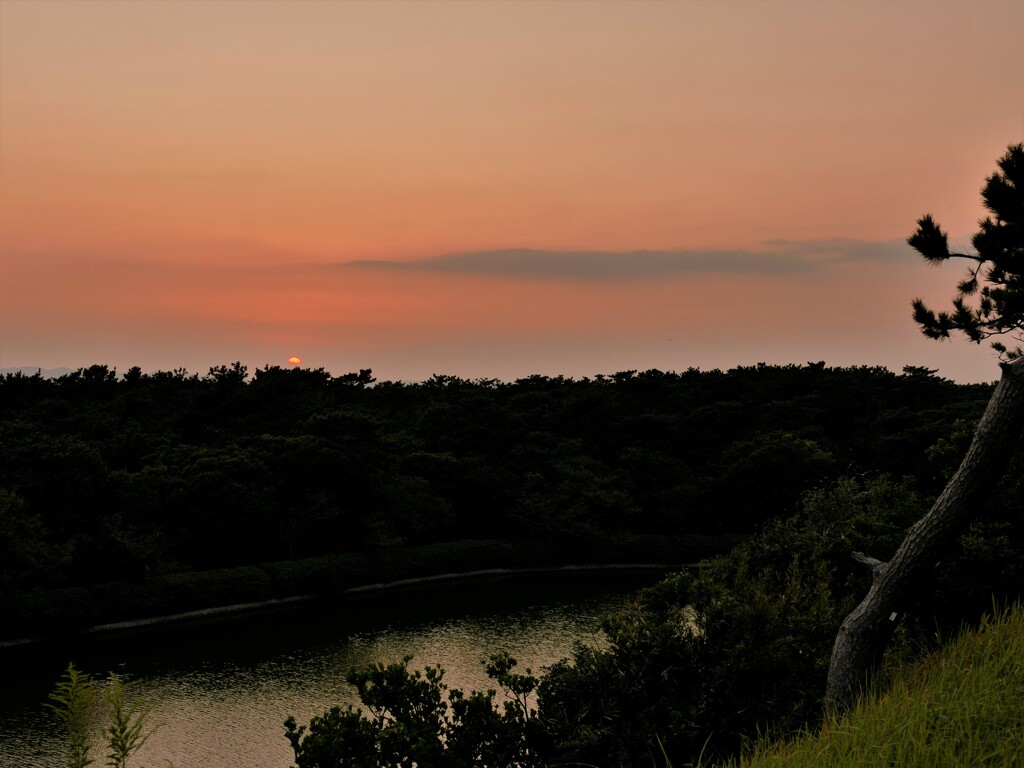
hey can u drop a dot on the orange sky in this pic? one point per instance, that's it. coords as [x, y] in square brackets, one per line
[184, 183]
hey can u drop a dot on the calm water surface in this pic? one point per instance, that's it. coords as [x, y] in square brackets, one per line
[223, 687]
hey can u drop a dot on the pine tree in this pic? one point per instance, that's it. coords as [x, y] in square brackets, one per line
[989, 302]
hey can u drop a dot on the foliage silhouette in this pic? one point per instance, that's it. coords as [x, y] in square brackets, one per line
[990, 299]
[415, 719]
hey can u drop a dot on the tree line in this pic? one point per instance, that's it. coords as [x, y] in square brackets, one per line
[124, 476]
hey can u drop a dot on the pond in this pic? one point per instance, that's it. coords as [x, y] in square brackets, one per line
[223, 686]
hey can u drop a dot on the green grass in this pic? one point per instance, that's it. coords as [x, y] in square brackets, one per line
[961, 706]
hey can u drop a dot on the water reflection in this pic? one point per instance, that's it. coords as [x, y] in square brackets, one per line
[225, 686]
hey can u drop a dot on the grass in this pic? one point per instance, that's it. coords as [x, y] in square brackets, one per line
[961, 706]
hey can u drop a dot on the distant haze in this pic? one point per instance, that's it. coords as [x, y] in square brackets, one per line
[492, 189]
[32, 370]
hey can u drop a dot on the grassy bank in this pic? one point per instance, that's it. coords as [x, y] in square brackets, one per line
[962, 706]
[36, 613]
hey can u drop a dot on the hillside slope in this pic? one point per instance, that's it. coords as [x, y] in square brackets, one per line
[961, 706]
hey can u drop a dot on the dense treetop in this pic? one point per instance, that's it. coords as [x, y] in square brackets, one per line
[110, 475]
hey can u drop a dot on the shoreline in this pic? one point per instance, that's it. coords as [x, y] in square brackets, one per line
[252, 606]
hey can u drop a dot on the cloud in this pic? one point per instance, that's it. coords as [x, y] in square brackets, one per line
[847, 250]
[774, 258]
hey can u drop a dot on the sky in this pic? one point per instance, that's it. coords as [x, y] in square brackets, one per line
[493, 189]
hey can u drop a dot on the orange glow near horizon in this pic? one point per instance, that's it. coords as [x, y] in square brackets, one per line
[184, 183]
[295, 361]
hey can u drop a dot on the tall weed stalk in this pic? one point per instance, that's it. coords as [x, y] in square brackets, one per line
[129, 724]
[73, 700]
[76, 701]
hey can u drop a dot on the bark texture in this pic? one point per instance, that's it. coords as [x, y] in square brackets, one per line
[865, 632]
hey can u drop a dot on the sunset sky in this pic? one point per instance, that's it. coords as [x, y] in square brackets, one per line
[492, 189]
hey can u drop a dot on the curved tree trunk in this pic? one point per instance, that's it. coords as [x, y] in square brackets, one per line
[865, 632]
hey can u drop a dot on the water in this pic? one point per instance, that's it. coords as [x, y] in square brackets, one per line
[224, 687]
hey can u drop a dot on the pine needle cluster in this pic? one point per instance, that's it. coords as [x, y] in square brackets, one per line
[990, 299]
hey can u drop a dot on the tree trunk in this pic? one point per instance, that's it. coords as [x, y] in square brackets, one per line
[865, 632]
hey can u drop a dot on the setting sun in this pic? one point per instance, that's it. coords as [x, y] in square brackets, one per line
[295, 360]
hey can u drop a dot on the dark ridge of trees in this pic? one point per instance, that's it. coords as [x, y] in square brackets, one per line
[123, 476]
